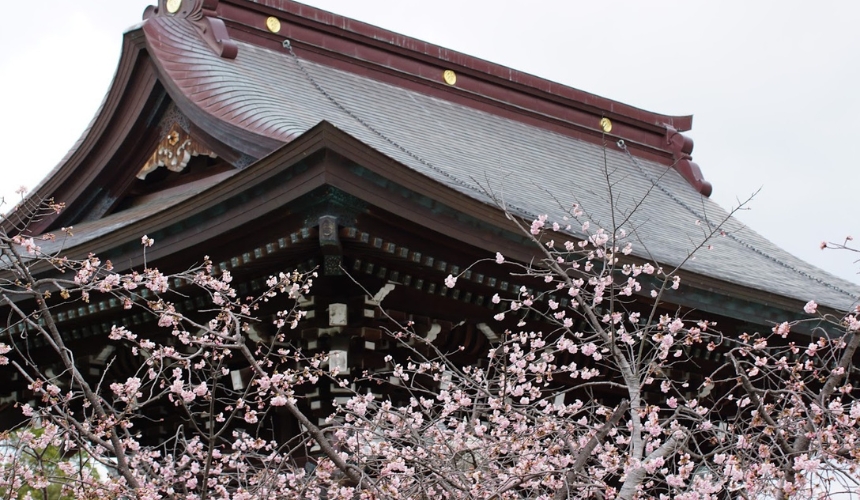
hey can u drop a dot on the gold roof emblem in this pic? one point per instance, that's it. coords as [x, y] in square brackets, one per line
[606, 125]
[273, 24]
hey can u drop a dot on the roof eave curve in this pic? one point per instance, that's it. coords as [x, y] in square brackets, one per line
[130, 93]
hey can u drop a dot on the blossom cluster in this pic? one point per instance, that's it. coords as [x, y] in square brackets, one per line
[590, 386]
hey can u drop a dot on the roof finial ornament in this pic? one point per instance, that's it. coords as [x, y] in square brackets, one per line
[681, 147]
[203, 16]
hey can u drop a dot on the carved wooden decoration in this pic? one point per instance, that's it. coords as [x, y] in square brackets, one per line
[174, 152]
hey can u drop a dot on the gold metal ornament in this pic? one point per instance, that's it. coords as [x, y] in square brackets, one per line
[450, 77]
[273, 24]
[175, 150]
[173, 6]
[606, 125]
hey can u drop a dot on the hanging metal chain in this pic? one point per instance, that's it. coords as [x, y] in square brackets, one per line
[655, 183]
[288, 46]
[523, 212]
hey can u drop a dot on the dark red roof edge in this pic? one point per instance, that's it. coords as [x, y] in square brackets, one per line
[375, 35]
[370, 50]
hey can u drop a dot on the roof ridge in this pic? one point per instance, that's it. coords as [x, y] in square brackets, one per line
[380, 35]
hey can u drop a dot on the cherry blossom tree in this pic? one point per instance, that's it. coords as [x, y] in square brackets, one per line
[585, 393]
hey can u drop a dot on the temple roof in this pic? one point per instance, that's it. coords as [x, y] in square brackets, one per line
[489, 134]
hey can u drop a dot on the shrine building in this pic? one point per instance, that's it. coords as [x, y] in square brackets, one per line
[274, 136]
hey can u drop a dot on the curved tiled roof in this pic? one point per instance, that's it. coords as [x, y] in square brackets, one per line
[531, 168]
[266, 97]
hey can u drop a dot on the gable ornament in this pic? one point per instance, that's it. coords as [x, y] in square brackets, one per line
[174, 151]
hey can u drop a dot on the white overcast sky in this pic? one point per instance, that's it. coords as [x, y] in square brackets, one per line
[773, 86]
